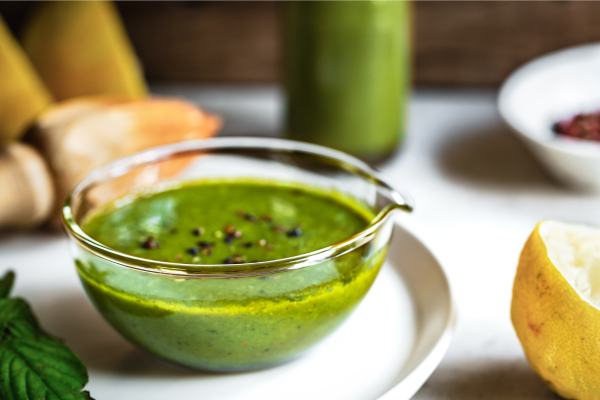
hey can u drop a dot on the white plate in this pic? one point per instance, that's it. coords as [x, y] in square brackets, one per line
[386, 350]
[549, 89]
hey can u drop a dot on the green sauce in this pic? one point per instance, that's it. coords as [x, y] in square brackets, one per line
[228, 324]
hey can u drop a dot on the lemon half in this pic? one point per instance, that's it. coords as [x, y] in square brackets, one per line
[556, 307]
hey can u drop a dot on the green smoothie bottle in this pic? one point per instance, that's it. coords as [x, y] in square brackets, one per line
[347, 74]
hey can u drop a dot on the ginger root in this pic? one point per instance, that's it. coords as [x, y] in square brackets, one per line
[27, 194]
[79, 135]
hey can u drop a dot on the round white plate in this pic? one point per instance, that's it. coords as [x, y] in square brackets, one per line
[386, 349]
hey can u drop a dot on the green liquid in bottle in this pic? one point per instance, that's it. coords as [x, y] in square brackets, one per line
[347, 74]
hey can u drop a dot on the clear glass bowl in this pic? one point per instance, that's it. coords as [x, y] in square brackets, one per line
[231, 317]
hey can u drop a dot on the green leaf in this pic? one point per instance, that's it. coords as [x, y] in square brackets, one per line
[17, 320]
[41, 368]
[34, 365]
[6, 284]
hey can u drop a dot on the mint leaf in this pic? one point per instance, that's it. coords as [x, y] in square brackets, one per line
[6, 284]
[34, 365]
[17, 320]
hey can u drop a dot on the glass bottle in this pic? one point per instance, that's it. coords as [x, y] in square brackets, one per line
[347, 74]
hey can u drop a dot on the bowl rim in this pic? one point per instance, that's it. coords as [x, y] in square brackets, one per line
[400, 201]
[579, 148]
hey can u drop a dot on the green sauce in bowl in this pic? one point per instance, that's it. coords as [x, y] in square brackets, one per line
[231, 323]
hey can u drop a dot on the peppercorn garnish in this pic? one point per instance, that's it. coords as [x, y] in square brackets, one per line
[229, 229]
[199, 231]
[193, 251]
[266, 218]
[207, 251]
[294, 232]
[248, 245]
[150, 243]
[228, 240]
[250, 217]
[237, 259]
[237, 234]
[279, 228]
[204, 244]
[270, 247]
[261, 243]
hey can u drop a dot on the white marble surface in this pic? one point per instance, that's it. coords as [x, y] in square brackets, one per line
[476, 190]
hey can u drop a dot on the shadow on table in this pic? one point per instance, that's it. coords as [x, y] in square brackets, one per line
[72, 318]
[510, 379]
[40, 234]
[493, 159]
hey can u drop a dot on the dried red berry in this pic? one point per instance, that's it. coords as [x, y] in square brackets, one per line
[581, 126]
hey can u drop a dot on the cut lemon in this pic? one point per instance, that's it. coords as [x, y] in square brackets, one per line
[556, 307]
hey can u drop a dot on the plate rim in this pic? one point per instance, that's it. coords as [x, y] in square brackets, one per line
[408, 386]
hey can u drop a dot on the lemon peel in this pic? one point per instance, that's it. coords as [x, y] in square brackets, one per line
[555, 307]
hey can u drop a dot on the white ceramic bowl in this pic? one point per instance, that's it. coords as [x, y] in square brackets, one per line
[548, 89]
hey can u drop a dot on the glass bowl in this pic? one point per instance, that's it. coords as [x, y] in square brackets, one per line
[231, 317]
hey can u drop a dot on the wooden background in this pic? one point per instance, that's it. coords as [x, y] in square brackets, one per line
[455, 43]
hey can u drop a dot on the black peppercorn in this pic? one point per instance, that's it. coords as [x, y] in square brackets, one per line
[294, 232]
